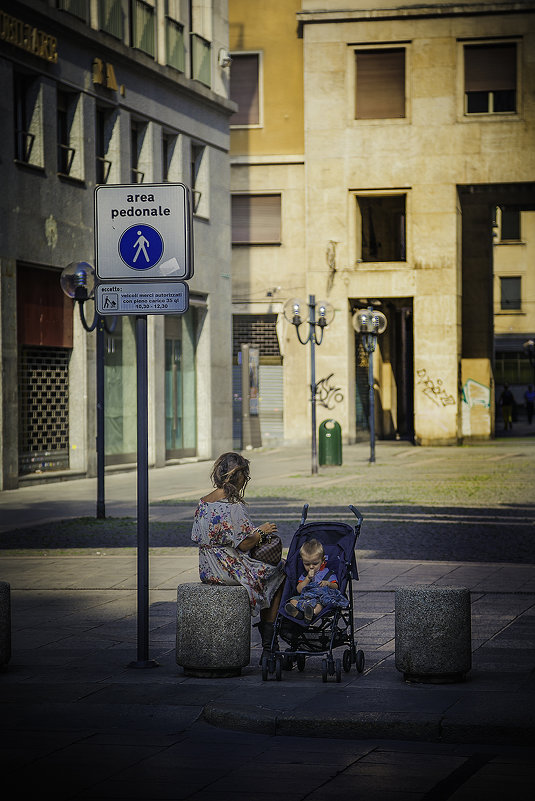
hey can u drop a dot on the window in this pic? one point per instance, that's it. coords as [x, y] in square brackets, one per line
[490, 78]
[510, 224]
[110, 17]
[244, 88]
[510, 293]
[380, 84]
[256, 219]
[137, 136]
[66, 106]
[512, 367]
[199, 179]
[174, 42]
[143, 37]
[78, 8]
[200, 59]
[27, 119]
[382, 219]
[169, 162]
[102, 140]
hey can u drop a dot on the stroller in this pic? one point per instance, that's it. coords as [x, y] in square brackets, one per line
[333, 627]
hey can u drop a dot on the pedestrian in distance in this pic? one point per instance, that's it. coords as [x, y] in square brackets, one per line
[226, 535]
[317, 587]
[529, 397]
[507, 401]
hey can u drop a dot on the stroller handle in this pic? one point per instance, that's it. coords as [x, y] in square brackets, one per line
[304, 513]
[357, 514]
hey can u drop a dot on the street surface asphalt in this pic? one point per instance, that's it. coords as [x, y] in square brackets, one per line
[78, 723]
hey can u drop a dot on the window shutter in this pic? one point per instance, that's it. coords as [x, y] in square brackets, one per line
[380, 84]
[256, 219]
[244, 89]
[489, 68]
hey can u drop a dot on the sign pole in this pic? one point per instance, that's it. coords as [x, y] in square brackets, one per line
[143, 660]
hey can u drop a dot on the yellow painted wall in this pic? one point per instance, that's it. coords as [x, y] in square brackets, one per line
[270, 26]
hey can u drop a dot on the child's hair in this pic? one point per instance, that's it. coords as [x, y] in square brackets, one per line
[311, 548]
[231, 474]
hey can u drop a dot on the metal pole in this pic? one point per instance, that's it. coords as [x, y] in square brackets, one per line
[101, 510]
[312, 338]
[143, 660]
[245, 402]
[371, 396]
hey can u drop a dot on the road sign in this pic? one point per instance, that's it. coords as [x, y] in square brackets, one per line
[142, 297]
[143, 228]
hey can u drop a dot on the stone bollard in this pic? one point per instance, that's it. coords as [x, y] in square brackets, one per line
[213, 629]
[5, 623]
[433, 633]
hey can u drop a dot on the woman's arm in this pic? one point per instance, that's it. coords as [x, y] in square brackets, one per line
[256, 536]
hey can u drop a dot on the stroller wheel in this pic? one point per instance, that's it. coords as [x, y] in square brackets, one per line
[278, 668]
[360, 661]
[301, 662]
[324, 670]
[330, 665]
[287, 662]
[338, 670]
[265, 660]
[347, 660]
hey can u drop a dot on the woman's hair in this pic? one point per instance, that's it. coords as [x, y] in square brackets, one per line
[231, 474]
[311, 548]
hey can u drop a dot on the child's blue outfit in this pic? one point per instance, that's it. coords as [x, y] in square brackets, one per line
[314, 594]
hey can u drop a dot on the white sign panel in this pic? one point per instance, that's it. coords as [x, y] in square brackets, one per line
[143, 232]
[128, 297]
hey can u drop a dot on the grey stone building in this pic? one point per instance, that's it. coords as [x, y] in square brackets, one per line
[109, 92]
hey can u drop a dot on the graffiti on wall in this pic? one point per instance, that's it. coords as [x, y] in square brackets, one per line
[434, 389]
[327, 394]
[476, 394]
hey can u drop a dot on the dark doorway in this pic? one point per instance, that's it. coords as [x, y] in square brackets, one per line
[395, 350]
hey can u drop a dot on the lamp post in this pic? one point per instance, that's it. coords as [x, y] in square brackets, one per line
[292, 311]
[369, 323]
[78, 282]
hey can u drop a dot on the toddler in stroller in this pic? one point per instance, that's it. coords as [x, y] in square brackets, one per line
[315, 614]
[317, 586]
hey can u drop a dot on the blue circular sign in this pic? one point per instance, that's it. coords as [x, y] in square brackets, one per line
[141, 247]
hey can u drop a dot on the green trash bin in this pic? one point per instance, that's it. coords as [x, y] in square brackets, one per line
[330, 442]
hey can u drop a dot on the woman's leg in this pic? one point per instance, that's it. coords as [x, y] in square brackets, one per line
[268, 615]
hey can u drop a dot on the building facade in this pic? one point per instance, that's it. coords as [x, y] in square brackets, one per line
[418, 121]
[109, 92]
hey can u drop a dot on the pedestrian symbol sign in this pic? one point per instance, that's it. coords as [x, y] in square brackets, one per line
[141, 247]
[143, 227]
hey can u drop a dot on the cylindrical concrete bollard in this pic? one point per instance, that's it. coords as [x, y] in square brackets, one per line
[213, 629]
[433, 633]
[5, 622]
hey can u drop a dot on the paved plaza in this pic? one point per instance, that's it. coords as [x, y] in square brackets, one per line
[78, 722]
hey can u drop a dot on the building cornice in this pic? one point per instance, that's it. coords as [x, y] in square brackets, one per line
[413, 12]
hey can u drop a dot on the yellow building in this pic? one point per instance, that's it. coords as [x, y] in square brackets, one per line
[373, 143]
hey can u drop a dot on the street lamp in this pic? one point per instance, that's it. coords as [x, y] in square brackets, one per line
[369, 323]
[78, 282]
[292, 311]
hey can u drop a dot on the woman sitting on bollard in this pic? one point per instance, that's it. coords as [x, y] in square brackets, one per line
[226, 535]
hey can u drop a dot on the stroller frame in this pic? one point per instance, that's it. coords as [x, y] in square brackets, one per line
[332, 628]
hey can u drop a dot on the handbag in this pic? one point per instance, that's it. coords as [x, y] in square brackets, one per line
[269, 550]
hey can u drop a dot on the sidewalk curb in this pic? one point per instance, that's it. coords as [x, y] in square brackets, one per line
[365, 726]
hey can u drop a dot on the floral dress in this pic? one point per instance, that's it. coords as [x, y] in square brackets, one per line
[219, 528]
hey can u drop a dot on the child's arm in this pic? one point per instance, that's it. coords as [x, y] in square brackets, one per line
[330, 582]
[304, 583]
